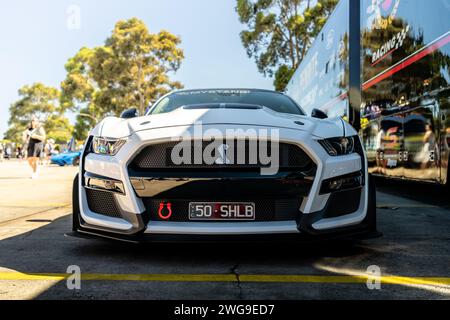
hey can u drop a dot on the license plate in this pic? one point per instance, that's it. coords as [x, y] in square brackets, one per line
[214, 211]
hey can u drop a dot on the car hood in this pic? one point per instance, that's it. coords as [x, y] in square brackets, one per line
[120, 128]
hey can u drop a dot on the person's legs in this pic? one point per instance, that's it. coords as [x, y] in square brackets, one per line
[32, 161]
[35, 164]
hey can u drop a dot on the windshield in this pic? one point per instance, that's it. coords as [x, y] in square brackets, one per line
[272, 100]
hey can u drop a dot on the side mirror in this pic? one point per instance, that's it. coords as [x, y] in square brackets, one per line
[130, 113]
[150, 105]
[319, 114]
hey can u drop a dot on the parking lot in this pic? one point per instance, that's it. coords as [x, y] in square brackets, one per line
[413, 254]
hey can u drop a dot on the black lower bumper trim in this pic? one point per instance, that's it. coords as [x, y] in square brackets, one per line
[354, 234]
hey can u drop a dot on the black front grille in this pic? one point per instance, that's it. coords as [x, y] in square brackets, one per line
[244, 154]
[103, 203]
[265, 209]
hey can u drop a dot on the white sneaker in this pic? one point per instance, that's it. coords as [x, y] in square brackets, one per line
[34, 175]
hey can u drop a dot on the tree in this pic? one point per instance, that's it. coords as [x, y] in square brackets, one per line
[58, 128]
[43, 102]
[131, 70]
[280, 32]
[282, 77]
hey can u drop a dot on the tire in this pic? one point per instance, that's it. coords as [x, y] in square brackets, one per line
[371, 219]
[75, 204]
[76, 162]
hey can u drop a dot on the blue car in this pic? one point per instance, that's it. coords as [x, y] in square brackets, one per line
[66, 158]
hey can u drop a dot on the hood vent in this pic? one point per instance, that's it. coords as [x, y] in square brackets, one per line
[240, 106]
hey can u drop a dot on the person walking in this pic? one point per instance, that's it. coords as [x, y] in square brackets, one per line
[34, 138]
[8, 153]
[1, 152]
[19, 152]
[48, 150]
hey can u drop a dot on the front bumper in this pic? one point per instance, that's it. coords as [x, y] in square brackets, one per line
[128, 214]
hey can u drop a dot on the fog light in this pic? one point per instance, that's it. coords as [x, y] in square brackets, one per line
[92, 181]
[335, 184]
[347, 182]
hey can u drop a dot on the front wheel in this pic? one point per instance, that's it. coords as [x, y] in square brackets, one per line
[76, 204]
[371, 218]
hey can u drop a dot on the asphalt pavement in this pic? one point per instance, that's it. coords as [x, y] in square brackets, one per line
[413, 256]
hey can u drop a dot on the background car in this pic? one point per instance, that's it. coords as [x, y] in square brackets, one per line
[71, 158]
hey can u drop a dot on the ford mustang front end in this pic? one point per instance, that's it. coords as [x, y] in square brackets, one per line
[223, 164]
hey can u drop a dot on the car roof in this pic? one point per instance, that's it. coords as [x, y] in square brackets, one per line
[228, 89]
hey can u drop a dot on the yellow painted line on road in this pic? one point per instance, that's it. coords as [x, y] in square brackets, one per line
[433, 281]
[122, 277]
[16, 276]
[162, 277]
[395, 280]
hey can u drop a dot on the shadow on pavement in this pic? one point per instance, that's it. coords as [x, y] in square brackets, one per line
[46, 250]
[429, 194]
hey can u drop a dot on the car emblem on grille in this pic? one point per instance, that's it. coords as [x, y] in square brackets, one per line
[222, 158]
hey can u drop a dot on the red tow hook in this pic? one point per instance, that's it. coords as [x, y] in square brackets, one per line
[169, 211]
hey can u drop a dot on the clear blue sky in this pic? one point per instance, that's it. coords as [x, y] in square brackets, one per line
[36, 42]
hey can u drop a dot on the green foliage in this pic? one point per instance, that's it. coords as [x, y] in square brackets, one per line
[42, 102]
[15, 133]
[84, 122]
[131, 70]
[58, 128]
[35, 100]
[279, 32]
[282, 77]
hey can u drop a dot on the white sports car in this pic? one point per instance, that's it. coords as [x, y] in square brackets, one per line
[223, 164]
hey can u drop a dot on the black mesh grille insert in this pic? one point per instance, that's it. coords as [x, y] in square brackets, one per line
[241, 154]
[265, 209]
[102, 203]
[342, 203]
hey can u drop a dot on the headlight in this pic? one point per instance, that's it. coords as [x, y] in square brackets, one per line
[107, 146]
[339, 146]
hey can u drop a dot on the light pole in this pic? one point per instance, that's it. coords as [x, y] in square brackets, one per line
[355, 98]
